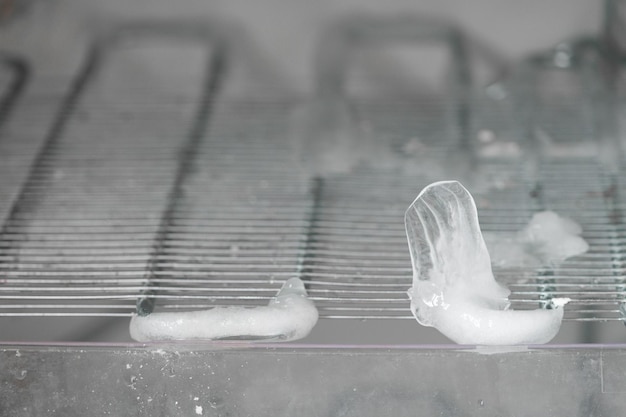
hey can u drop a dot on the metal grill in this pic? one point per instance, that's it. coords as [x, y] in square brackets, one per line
[157, 194]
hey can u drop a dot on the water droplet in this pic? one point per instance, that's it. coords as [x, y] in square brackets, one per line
[21, 375]
[481, 403]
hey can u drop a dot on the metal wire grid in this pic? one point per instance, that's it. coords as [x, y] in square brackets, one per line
[76, 197]
[248, 219]
[176, 202]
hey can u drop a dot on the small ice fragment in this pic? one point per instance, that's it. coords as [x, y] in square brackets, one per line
[560, 302]
[454, 289]
[556, 238]
[199, 409]
[548, 239]
[288, 316]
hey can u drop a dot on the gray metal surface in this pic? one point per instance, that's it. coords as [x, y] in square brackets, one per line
[218, 380]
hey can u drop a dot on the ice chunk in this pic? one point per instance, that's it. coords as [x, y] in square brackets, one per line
[548, 239]
[454, 289]
[288, 316]
[553, 237]
[471, 320]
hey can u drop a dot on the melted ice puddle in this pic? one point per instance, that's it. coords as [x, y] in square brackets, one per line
[288, 316]
[454, 289]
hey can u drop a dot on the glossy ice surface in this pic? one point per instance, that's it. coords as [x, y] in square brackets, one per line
[288, 316]
[454, 288]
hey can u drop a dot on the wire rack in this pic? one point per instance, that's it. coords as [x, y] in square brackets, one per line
[148, 197]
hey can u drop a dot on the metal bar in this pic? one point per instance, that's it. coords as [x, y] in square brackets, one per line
[304, 253]
[613, 29]
[21, 72]
[210, 88]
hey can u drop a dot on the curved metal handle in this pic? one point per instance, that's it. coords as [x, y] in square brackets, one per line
[96, 56]
[345, 35]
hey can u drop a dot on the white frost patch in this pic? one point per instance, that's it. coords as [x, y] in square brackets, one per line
[454, 289]
[548, 239]
[288, 316]
[560, 302]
